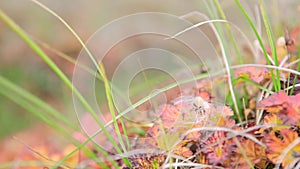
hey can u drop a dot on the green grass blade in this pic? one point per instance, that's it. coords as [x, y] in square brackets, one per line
[259, 40]
[8, 90]
[233, 41]
[7, 85]
[271, 42]
[246, 79]
[101, 70]
[295, 80]
[83, 67]
[224, 52]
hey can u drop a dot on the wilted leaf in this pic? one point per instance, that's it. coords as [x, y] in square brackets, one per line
[183, 148]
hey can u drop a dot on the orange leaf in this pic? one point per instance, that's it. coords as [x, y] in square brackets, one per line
[276, 146]
[272, 119]
[254, 152]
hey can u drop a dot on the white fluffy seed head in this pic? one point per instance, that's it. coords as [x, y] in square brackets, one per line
[281, 41]
[199, 102]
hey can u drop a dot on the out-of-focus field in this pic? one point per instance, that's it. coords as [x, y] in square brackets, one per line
[22, 66]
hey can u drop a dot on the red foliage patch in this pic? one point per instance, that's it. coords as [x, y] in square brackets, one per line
[258, 75]
[287, 107]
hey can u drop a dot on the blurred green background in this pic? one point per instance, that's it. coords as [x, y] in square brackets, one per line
[22, 66]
